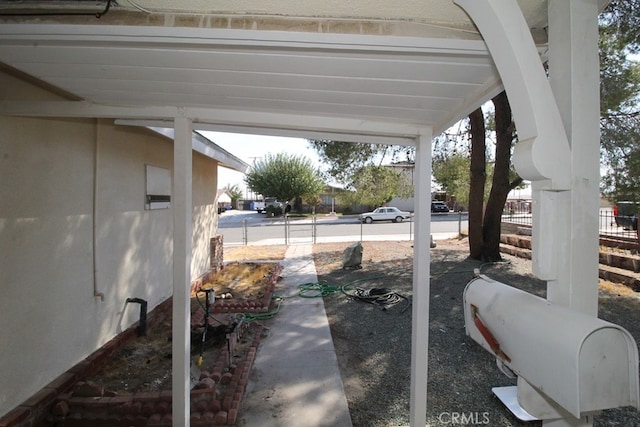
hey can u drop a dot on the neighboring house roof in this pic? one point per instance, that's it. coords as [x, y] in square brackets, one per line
[404, 163]
[223, 196]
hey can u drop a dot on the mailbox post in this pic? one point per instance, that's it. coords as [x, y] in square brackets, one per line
[577, 361]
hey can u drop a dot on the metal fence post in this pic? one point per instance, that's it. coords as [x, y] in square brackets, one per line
[314, 230]
[286, 229]
[245, 236]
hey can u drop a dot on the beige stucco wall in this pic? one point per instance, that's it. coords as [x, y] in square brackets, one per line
[49, 315]
[205, 212]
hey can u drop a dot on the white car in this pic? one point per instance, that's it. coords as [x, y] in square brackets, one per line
[385, 214]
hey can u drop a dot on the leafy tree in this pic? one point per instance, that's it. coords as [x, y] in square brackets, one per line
[284, 177]
[451, 171]
[619, 94]
[345, 159]
[623, 17]
[460, 171]
[234, 192]
[619, 77]
[453, 155]
[359, 168]
[375, 185]
[620, 143]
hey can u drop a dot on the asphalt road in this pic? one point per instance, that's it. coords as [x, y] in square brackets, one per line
[239, 227]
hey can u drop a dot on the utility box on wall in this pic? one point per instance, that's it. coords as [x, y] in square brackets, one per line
[581, 362]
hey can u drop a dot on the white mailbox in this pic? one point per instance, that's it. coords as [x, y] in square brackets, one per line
[583, 363]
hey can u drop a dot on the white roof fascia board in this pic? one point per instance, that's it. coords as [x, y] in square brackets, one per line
[312, 134]
[209, 148]
[293, 122]
[145, 36]
[201, 115]
[84, 109]
[224, 120]
[289, 133]
[204, 146]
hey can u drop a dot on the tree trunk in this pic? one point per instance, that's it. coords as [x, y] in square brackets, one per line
[500, 186]
[477, 183]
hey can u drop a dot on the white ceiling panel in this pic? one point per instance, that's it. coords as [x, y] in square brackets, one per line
[408, 80]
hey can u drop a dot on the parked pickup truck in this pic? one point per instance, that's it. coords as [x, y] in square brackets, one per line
[262, 205]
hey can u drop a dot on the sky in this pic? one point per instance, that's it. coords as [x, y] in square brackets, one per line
[252, 147]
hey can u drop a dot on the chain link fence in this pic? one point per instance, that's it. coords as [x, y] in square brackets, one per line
[287, 231]
[311, 230]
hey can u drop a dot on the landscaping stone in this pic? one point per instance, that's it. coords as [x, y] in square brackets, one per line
[352, 256]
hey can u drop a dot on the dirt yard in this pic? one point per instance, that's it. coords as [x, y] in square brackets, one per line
[373, 344]
[145, 363]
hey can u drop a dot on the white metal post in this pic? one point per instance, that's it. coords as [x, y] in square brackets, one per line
[574, 78]
[557, 150]
[182, 219]
[421, 285]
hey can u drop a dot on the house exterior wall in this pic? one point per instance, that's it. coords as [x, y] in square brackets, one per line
[205, 212]
[50, 172]
[404, 204]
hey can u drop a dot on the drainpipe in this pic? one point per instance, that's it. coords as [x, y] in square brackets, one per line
[142, 323]
[96, 293]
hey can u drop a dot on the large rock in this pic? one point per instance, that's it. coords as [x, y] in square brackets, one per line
[352, 256]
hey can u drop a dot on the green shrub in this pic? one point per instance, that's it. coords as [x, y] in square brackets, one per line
[272, 211]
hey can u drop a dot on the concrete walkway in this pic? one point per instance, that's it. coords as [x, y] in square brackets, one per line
[295, 379]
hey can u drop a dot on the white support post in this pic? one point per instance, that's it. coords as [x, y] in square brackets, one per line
[182, 219]
[542, 154]
[421, 285]
[574, 77]
[557, 123]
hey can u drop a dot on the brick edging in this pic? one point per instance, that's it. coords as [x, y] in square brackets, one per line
[209, 405]
[55, 402]
[35, 410]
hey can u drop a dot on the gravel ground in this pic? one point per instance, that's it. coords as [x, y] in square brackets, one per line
[374, 345]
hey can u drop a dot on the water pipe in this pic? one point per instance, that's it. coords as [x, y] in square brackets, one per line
[142, 323]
